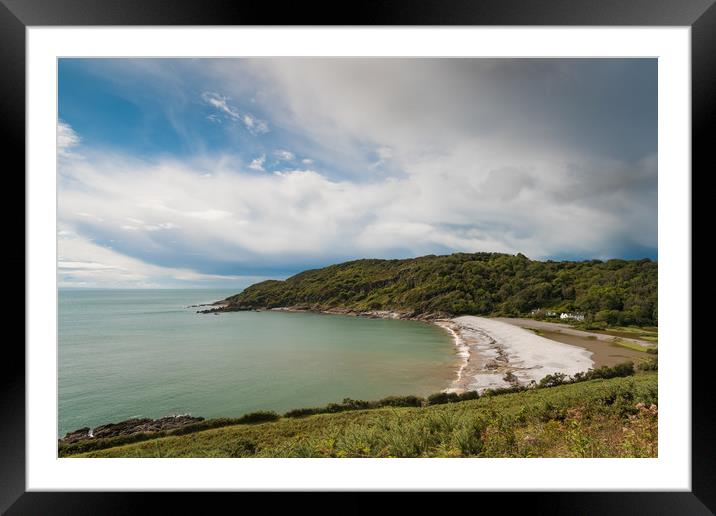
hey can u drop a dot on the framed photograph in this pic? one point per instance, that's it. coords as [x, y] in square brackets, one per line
[435, 249]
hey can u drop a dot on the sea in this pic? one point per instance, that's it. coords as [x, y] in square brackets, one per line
[148, 353]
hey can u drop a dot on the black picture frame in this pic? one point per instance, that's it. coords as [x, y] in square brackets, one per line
[17, 15]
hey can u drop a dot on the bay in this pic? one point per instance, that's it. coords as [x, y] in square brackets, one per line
[147, 353]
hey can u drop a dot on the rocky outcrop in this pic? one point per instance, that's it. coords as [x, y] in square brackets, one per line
[77, 435]
[129, 427]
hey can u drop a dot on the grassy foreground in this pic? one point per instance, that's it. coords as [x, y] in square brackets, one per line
[597, 418]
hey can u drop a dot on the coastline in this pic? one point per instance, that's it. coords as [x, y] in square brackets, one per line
[493, 353]
[463, 351]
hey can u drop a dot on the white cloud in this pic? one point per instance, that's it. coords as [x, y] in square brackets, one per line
[284, 155]
[254, 125]
[67, 139]
[258, 163]
[209, 215]
[307, 161]
[94, 266]
[384, 153]
[83, 263]
[260, 127]
[230, 112]
[221, 104]
[534, 202]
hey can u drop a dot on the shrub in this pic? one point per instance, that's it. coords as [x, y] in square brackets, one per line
[504, 390]
[552, 380]
[649, 365]
[303, 412]
[604, 372]
[619, 370]
[401, 401]
[258, 417]
[350, 404]
[469, 437]
[641, 432]
[468, 395]
[242, 448]
[440, 398]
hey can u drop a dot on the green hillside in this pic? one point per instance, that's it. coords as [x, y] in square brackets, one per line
[597, 418]
[614, 292]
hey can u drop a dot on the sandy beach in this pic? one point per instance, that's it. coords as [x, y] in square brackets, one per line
[497, 354]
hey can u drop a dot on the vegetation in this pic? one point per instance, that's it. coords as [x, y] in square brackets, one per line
[604, 372]
[350, 405]
[613, 292]
[614, 417]
[649, 365]
[628, 344]
[647, 333]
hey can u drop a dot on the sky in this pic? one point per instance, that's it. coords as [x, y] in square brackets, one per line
[223, 172]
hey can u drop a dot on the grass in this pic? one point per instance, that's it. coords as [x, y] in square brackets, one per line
[627, 344]
[597, 418]
[646, 330]
[650, 333]
[647, 333]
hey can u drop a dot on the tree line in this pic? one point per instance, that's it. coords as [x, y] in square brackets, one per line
[615, 292]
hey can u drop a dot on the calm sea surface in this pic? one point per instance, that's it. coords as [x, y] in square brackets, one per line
[129, 353]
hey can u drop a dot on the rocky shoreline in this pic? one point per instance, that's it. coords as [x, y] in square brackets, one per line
[412, 315]
[129, 427]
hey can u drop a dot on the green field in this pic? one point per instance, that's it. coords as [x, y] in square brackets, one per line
[597, 418]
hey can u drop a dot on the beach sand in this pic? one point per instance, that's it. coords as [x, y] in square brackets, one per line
[496, 354]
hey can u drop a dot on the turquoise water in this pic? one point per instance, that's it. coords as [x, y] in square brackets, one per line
[129, 353]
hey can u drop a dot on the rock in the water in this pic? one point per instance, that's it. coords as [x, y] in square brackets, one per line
[77, 435]
[131, 426]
